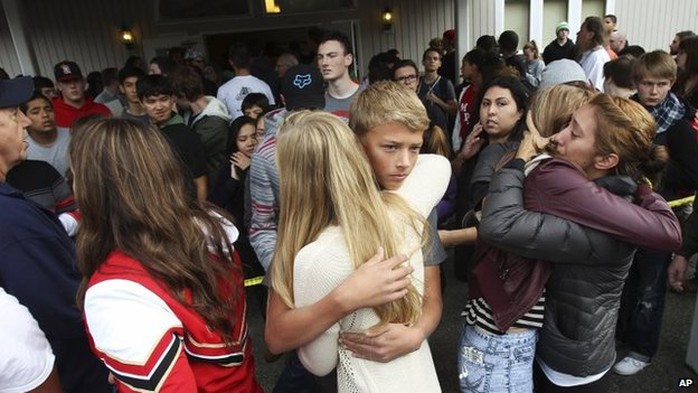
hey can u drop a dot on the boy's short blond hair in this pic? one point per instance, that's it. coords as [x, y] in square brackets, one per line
[656, 64]
[385, 102]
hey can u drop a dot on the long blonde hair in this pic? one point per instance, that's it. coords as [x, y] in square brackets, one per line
[326, 180]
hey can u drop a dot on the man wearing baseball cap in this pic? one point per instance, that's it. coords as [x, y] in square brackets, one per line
[561, 47]
[72, 103]
[301, 88]
[38, 268]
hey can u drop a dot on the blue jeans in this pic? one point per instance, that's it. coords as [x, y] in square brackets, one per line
[642, 303]
[493, 363]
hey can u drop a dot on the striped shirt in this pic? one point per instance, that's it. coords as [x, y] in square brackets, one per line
[477, 312]
[264, 190]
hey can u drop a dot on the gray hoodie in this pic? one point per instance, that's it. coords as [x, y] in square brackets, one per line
[212, 127]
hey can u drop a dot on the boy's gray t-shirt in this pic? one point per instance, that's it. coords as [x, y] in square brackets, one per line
[434, 252]
[340, 106]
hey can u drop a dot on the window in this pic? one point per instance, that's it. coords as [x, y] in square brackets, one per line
[593, 8]
[517, 17]
[554, 12]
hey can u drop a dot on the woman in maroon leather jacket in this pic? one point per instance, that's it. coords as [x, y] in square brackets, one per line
[581, 300]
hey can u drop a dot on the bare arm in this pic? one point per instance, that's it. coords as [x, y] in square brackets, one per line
[433, 303]
[201, 192]
[677, 272]
[50, 385]
[376, 282]
[388, 342]
[457, 237]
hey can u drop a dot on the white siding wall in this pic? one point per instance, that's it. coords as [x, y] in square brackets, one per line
[87, 31]
[554, 12]
[483, 20]
[517, 18]
[8, 56]
[652, 24]
[593, 8]
[82, 30]
[649, 23]
[415, 23]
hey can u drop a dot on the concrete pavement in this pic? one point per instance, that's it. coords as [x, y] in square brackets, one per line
[667, 368]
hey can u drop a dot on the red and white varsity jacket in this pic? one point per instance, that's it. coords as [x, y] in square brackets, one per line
[151, 342]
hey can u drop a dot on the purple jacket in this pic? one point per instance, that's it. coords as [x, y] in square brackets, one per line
[510, 282]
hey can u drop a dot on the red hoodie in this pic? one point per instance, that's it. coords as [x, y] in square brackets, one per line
[66, 114]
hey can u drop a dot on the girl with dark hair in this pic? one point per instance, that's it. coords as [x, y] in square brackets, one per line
[502, 105]
[160, 65]
[230, 187]
[162, 289]
[496, 128]
[687, 60]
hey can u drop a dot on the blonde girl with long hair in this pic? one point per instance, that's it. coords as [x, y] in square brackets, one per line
[333, 217]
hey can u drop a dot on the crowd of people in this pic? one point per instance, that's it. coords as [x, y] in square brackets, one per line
[131, 214]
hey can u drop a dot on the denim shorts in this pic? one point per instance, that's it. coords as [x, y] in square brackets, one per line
[496, 363]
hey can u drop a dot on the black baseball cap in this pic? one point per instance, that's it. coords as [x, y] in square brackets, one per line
[67, 70]
[302, 87]
[14, 92]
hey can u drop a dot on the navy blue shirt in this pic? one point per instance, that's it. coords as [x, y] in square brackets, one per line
[37, 266]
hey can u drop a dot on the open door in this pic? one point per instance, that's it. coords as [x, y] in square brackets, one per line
[272, 42]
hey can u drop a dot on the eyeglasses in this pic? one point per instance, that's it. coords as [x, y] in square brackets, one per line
[407, 78]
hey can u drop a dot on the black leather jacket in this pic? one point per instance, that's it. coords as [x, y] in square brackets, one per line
[591, 261]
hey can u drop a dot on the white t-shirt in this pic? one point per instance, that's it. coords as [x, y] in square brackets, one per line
[592, 62]
[26, 360]
[234, 91]
[55, 154]
[567, 380]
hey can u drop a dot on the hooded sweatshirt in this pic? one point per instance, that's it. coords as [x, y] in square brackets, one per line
[212, 127]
